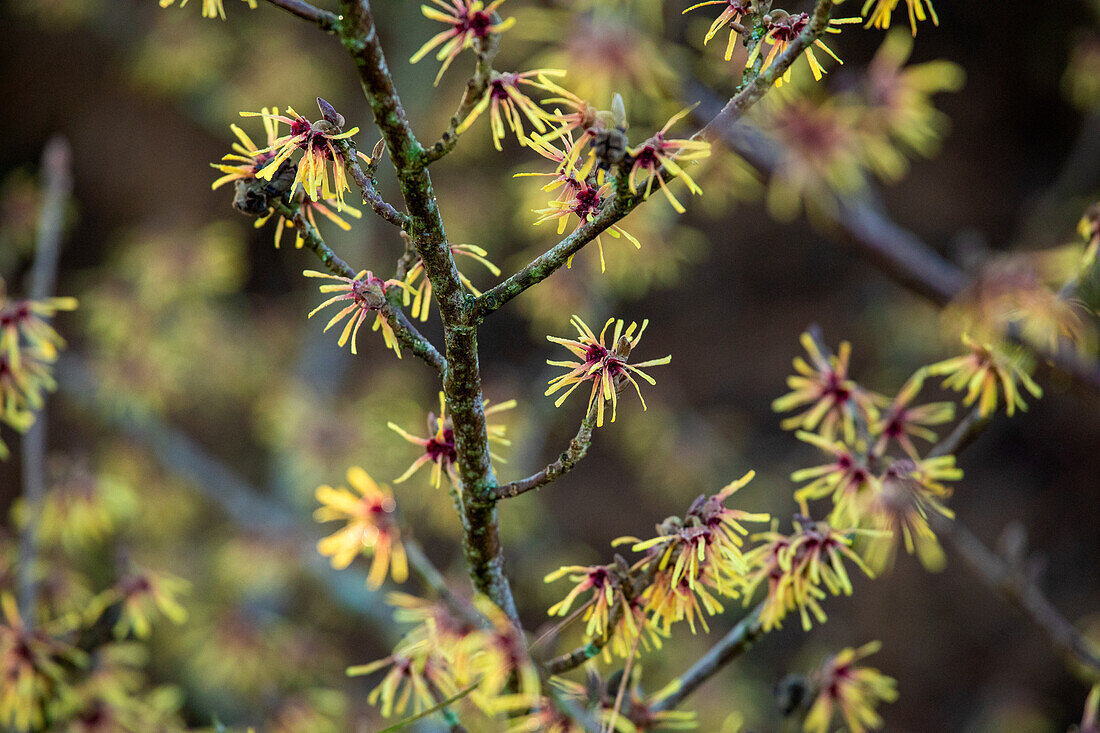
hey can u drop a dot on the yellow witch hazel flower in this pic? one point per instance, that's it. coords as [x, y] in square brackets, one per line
[796, 567]
[316, 140]
[823, 384]
[439, 447]
[708, 538]
[846, 479]
[21, 388]
[730, 17]
[984, 372]
[33, 668]
[79, 511]
[670, 603]
[902, 421]
[782, 28]
[367, 293]
[210, 8]
[143, 596]
[659, 155]
[900, 108]
[906, 495]
[248, 159]
[507, 104]
[470, 20]
[1089, 228]
[580, 192]
[499, 661]
[411, 678]
[820, 153]
[605, 582]
[852, 691]
[606, 368]
[28, 319]
[882, 10]
[426, 662]
[696, 558]
[29, 346]
[369, 527]
[606, 589]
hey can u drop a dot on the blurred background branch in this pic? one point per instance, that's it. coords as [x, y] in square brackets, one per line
[57, 186]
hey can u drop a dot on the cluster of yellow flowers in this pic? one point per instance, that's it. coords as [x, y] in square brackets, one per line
[883, 492]
[29, 346]
[446, 657]
[873, 492]
[48, 678]
[781, 28]
[852, 690]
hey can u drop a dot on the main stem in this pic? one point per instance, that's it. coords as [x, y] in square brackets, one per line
[462, 379]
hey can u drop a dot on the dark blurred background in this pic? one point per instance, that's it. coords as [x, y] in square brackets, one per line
[193, 325]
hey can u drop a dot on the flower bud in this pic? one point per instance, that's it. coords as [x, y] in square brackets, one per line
[329, 113]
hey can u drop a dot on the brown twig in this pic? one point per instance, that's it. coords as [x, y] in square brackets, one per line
[1002, 576]
[366, 183]
[578, 448]
[413, 340]
[326, 21]
[968, 429]
[312, 240]
[736, 642]
[1009, 582]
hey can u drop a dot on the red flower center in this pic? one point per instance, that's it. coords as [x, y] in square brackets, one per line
[647, 157]
[835, 388]
[478, 23]
[14, 315]
[301, 126]
[596, 352]
[587, 201]
[598, 578]
[443, 448]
